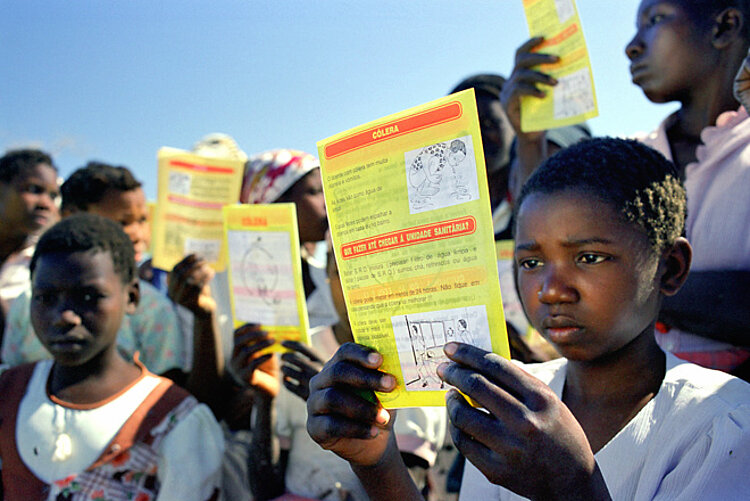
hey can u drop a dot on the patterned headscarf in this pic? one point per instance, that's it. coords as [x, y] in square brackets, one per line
[269, 174]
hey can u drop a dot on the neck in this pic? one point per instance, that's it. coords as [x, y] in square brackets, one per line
[701, 108]
[630, 374]
[94, 381]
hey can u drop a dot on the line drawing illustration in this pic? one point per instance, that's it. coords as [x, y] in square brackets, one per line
[257, 257]
[421, 350]
[441, 175]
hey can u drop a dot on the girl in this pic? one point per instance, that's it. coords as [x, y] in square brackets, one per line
[597, 247]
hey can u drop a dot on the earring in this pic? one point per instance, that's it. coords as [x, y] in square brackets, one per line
[539, 294]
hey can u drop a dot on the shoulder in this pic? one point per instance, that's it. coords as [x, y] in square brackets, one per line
[689, 385]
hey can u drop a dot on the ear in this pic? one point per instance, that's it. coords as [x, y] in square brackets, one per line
[134, 296]
[728, 25]
[675, 266]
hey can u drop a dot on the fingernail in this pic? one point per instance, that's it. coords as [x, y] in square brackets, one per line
[387, 382]
[441, 369]
[374, 358]
[450, 348]
[383, 417]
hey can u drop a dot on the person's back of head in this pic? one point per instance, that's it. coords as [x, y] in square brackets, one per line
[89, 184]
[636, 180]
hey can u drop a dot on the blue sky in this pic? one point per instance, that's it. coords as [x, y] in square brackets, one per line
[116, 80]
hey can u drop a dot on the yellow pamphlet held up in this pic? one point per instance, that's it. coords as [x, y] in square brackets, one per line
[411, 225]
[265, 270]
[573, 99]
[191, 194]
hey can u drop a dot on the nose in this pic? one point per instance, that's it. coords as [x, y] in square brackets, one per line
[68, 318]
[634, 48]
[556, 289]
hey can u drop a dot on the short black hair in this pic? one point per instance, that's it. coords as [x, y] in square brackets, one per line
[88, 184]
[702, 12]
[89, 232]
[636, 180]
[487, 83]
[16, 162]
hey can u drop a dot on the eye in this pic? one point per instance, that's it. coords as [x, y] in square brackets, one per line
[655, 19]
[530, 263]
[44, 298]
[591, 258]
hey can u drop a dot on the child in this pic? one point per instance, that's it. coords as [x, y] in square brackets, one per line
[687, 51]
[597, 246]
[90, 424]
[28, 196]
[153, 330]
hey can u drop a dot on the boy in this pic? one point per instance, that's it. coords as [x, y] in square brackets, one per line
[90, 424]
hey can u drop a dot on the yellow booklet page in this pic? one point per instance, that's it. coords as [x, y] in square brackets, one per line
[265, 270]
[191, 193]
[573, 99]
[410, 220]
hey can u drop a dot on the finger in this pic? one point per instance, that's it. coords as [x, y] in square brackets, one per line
[250, 365]
[352, 374]
[301, 390]
[303, 376]
[297, 361]
[249, 333]
[344, 404]
[327, 429]
[492, 465]
[478, 424]
[499, 372]
[250, 350]
[533, 59]
[304, 349]
[528, 46]
[358, 353]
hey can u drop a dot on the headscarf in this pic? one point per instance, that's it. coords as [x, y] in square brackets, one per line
[270, 174]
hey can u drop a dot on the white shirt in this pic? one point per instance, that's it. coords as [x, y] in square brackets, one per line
[190, 455]
[691, 441]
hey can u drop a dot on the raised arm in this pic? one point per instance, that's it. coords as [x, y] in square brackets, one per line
[524, 81]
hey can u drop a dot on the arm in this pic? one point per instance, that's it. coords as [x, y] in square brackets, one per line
[527, 440]
[342, 419]
[261, 373]
[712, 304]
[531, 147]
[188, 286]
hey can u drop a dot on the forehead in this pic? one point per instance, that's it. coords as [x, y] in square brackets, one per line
[41, 172]
[574, 216]
[117, 201]
[73, 269]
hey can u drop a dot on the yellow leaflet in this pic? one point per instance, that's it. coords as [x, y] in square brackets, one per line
[410, 219]
[191, 193]
[265, 270]
[573, 99]
[151, 218]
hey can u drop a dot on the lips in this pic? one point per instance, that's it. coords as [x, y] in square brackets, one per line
[637, 70]
[560, 328]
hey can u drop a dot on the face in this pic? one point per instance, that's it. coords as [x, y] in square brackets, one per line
[78, 302]
[587, 281]
[130, 210]
[28, 204]
[669, 55]
[307, 195]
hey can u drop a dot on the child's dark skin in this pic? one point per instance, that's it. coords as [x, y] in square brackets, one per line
[78, 303]
[671, 59]
[592, 285]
